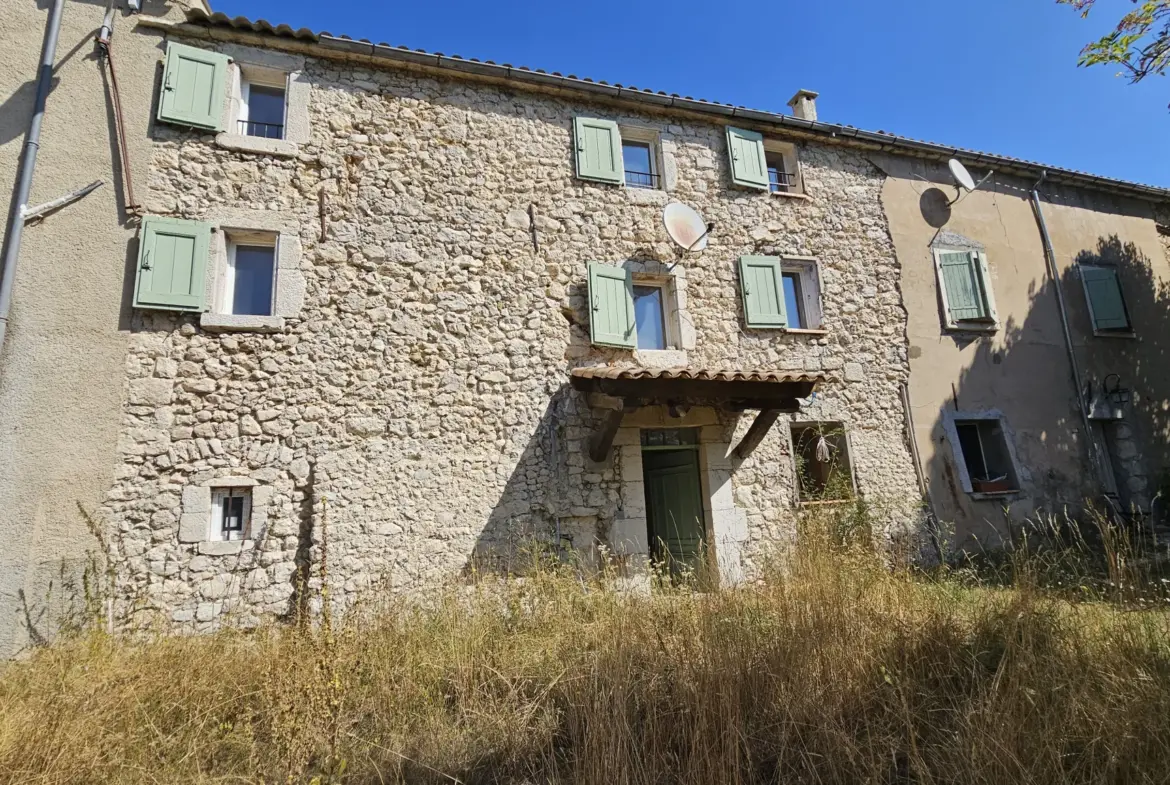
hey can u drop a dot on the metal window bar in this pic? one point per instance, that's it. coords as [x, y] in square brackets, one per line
[263, 130]
[641, 179]
[780, 181]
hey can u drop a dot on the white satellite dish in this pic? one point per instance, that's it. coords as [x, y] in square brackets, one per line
[962, 177]
[685, 226]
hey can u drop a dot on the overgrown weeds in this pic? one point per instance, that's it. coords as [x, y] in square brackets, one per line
[838, 670]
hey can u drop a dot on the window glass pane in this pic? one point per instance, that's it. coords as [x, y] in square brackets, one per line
[265, 112]
[792, 301]
[636, 158]
[778, 177]
[669, 437]
[648, 317]
[972, 448]
[254, 270]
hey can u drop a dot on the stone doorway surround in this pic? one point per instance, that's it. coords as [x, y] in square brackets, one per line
[629, 535]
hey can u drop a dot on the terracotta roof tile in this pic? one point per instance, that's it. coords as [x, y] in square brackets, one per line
[701, 374]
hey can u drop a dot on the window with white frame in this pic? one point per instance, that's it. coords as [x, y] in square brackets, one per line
[781, 293]
[640, 157]
[263, 102]
[802, 294]
[231, 514]
[249, 279]
[980, 445]
[964, 281]
[783, 169]
[650, 315]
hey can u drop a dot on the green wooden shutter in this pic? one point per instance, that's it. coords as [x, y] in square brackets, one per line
[762, 283]
[962, 281]
[599, 150]
[1103, 288]
[172, 264]
[611, 302]
[746, 151]
[193, 87]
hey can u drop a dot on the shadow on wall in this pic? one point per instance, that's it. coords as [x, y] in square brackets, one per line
[554, 501]
[1022, 371]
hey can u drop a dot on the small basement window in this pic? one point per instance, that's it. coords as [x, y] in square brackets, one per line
[824, 468]
[650, 316]
[249, 281]
[983, 448]
[262, 106]
[231, 514]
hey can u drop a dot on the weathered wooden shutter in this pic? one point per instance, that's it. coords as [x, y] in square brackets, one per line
[598, 150]
[172, 264]
[962, 281]
[611, 303]
[748, 165]
[1103, 288]
[193, 87]
[762, 282]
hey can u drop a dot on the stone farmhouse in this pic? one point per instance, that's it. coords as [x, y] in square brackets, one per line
[427, 307]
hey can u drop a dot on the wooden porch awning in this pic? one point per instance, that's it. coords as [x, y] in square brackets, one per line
[730, 389]
[620, 390]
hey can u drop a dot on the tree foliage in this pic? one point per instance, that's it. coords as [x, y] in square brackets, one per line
[1140, 43]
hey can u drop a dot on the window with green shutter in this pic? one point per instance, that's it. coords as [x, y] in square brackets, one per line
[611, 306]
[598, 146]
[749, 166]
[172, 264]
[193, 87]
[762, 282]
[966, 288]
[1106, 304]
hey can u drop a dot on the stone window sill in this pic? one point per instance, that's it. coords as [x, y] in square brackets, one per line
[281, 148]
[1108, 334]
[232, 323]
[824, 502]
[973, 328]
[791, 195]
[660, 358]
[806, 332]
[981, 496]
[225, 548]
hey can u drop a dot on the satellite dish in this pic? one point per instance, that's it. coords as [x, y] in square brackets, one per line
[962, 176]
[685, 226]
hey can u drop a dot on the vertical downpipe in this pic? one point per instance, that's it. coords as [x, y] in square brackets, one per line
[1054, 271]
[28, 162]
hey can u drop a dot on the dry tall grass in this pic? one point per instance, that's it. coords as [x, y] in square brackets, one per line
[843, 671]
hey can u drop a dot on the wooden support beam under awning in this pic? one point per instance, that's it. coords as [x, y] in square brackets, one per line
[756, 433]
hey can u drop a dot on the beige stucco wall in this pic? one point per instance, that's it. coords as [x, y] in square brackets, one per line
[1023, 368]
[61, 368]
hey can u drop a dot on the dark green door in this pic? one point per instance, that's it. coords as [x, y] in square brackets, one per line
[674, 505]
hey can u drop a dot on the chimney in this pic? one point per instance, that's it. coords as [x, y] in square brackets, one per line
[804, 105]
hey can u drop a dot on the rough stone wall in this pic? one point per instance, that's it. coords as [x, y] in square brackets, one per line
[419, 409]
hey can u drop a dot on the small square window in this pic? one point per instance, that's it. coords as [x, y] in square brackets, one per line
[1107, 308]
[639, 159]
[824, 468]
[250, 278]
[231, 514]
[262, 109]
[984, 451]
[649, 317]
[782, 176]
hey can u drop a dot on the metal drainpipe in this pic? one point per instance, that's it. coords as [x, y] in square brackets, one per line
[1054, 272]
[28, 162]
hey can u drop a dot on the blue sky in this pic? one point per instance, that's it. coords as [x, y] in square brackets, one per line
[996, 75]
